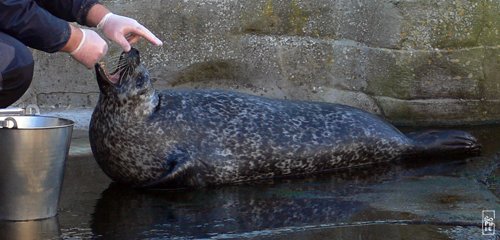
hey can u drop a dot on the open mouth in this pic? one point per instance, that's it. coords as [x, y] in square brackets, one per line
[114, 76]
[125, 66]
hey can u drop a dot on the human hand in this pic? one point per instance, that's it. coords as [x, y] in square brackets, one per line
[91, 49]
[125, 31]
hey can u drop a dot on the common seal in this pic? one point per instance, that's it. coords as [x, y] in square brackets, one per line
[194, 138]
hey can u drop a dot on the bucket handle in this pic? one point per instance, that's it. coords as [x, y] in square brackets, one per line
[32, 109]
[9, 122]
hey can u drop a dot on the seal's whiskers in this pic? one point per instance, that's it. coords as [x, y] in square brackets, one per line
[113, 63]
[114, 57]
[126, 73]
[119, 65]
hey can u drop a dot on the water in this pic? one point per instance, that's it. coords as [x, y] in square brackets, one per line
[427, 199]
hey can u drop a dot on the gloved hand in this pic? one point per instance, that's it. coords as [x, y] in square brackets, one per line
[91, 49]
[125, 31]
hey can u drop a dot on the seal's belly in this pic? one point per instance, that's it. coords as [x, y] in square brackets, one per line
[264, 154]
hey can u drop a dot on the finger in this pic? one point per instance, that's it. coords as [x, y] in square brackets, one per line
[132, 38]
[88, 65]
[104, 52]
[122, 41]
[91, 63]
[145, 33]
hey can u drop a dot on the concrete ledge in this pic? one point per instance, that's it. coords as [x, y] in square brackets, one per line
[80, 145]
[452, 111]
[81, 116]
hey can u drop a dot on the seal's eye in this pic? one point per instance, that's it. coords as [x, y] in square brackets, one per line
[141, 79]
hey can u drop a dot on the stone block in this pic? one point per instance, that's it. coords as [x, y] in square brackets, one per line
[434, 74]
[449, 24]
[439, 111]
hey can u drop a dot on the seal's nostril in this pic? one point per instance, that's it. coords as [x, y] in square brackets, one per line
[137, 59]
[132, 56]
[133, 52]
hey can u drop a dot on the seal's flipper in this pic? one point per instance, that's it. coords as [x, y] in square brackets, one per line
[175, 164]
[445, 143]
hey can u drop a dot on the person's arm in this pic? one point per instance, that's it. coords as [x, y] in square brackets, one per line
[120, 29]
[33, 26]
[96, 14]
[37, 28]
[70, 10]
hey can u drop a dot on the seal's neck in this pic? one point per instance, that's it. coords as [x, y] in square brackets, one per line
[150, 103]
[129, 107]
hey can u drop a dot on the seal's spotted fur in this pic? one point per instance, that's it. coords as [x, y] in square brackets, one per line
[188, 138]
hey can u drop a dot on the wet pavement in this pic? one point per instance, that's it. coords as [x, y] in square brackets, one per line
[425, 199]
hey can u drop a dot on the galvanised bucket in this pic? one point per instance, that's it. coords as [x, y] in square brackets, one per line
[33, 152]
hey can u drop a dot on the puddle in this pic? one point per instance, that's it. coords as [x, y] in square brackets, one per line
[421, 200]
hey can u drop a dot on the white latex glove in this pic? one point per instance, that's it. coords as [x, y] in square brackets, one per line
[91, 48]
[125, 31]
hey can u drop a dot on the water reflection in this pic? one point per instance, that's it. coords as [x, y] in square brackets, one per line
[123, 213]
[256, 210]
[30, 230]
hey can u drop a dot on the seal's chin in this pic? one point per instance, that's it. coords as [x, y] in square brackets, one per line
[112, 78]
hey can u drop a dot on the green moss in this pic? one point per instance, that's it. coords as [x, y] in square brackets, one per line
[456, 74]
[490, 23]
[395, 80]
[398, 112]
[212, 70]
[261, 22]
[268, 10]
[451, 24]
[276, 18]
[491, 70]
[298, 18]
[458, 26]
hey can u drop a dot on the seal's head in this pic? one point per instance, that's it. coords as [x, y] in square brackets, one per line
[127, 90]
[129, 79]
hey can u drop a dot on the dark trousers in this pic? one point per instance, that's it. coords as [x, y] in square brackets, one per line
[16, 69]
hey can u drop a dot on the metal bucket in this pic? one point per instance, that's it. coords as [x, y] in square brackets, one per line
[33, 152]
[30, 230]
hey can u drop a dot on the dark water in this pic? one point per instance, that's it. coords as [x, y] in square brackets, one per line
[425, 199]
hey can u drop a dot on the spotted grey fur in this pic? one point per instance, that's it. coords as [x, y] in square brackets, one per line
[192, 138]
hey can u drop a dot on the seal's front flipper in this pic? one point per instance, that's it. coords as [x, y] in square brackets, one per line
[445, 143]
[174, 169]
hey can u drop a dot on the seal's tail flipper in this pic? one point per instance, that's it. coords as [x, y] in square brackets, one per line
[445, 143]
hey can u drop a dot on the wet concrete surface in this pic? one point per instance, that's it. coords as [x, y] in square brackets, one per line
[424, 199]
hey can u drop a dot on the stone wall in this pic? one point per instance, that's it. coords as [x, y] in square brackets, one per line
[412, 61]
